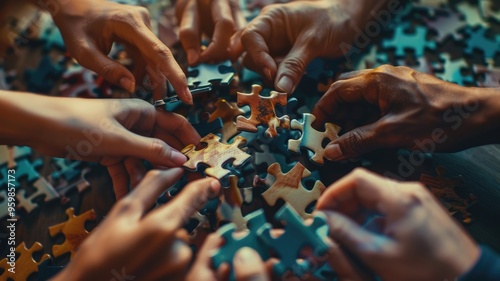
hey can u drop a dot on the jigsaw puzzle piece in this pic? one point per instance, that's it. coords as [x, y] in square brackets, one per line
[215, 155]
[8, 155]
[451, 70]
[404, 40]
[73, 230]
[262, 111]
[491, 75]
[42, 79]
[43, 188]
[288, 186]
[67, 169]
[201, 78]
[230, 208]
[27, 169]
[227, 112]
[209, 127]
[233, 243]
[311, 138]
[478, 39]
[25, 265]
[297, 236]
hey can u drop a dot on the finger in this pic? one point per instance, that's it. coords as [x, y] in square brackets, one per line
[179, 126]
[152, 186]
[119, 178]
[190, 200]
[248, 266]
[293, 67]
[136, 171]
[354, 143]
[369, 248]
[159, 86]
[223, 30]
[157, 53]
[189, 32]
[172, 140]
[359, 89]
[104, 66]
[360, 188]
[255, 40]
[153, 150]
[235, 46]
[342, 264]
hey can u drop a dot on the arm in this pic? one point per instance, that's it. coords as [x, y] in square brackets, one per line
[403, 108]
[117, 133]
[285, 38]
[487, 267]
[90, 27]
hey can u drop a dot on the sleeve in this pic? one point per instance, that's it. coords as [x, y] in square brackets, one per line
[487, 268]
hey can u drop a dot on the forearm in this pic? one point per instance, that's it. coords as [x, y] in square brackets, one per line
[26, 117]
[485, 114]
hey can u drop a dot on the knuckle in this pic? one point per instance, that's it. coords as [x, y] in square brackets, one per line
[226, 23]
[106, 70]
[158, 149]
[295, 64]
[355, 142]
[150, 175]
[143, 12]
[161, 50]
[187, 33]
[125, 205]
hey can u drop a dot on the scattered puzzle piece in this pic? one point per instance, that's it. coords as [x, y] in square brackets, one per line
[202, 77]
[215, 154]
[226, 252]
[25, 265]
[444, 189]
[262, 111]
[478, 40]
[311, 138]
[297, 235]
[447, 25]
[451, 71]
[207, 127]
[231, 201]
[491, 75]
[74, 231]
[288, 186]
[415, 41]
[43, 188]
[227, 112]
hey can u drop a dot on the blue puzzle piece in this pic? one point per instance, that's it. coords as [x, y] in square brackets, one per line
[205, 128]
[202, 77]
[226, 253]
[297, 235]
[403, 41]
[479, 41]
[42, 79]
[67, 169]
[27, 169]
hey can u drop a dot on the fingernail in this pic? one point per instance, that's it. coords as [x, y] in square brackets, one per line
[245, 256]
[333, 152]
[267, 72]
[127, 84]
[192, 56]
[178, 158]
[189, 96]
[285, 84]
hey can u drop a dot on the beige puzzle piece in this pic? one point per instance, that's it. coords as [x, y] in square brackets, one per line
[289, 188]
[215, 154]
[262, 111]
[25, 265]
[74, 231]
[227, 112]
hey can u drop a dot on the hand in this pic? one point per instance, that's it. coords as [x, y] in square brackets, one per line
[117, 133]
[136, 243]
[89, 29]
[247, 264]
[416, 240]
[218, 19]
[399, 107]
[284, 38]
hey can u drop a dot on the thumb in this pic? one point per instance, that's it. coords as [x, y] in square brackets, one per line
[248, 266]
[154, 150]
[293, 67]
[109, 69]
[353, 143]
[369, 248]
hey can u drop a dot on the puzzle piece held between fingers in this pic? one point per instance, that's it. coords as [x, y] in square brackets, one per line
[311, 138]
[215, 155]
[262, 111]
[74, 231]
[25, 264]
[297, 235]
[226, 252]
[289, 187]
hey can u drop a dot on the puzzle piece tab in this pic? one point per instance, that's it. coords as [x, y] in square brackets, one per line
[311, 138]
[227, 112]
[25, 265]
[215, 154]
[288, 186]
[74, 231]
[262, 111]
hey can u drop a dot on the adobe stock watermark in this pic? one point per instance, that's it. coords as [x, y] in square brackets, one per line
[372, 29]
[454, 119]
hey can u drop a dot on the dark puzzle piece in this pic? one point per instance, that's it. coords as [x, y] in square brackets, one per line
[478, 40]
[455, 71]
[204, 128]
[201, 78]
[405, 40]
[42, 79]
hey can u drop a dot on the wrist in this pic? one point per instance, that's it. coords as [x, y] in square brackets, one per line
[484, 104]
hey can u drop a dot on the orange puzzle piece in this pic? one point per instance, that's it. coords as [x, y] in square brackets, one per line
[227, 112]
[262, 111]
[215, 154]
[25, 265]
[74, 231]
[289, 188]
